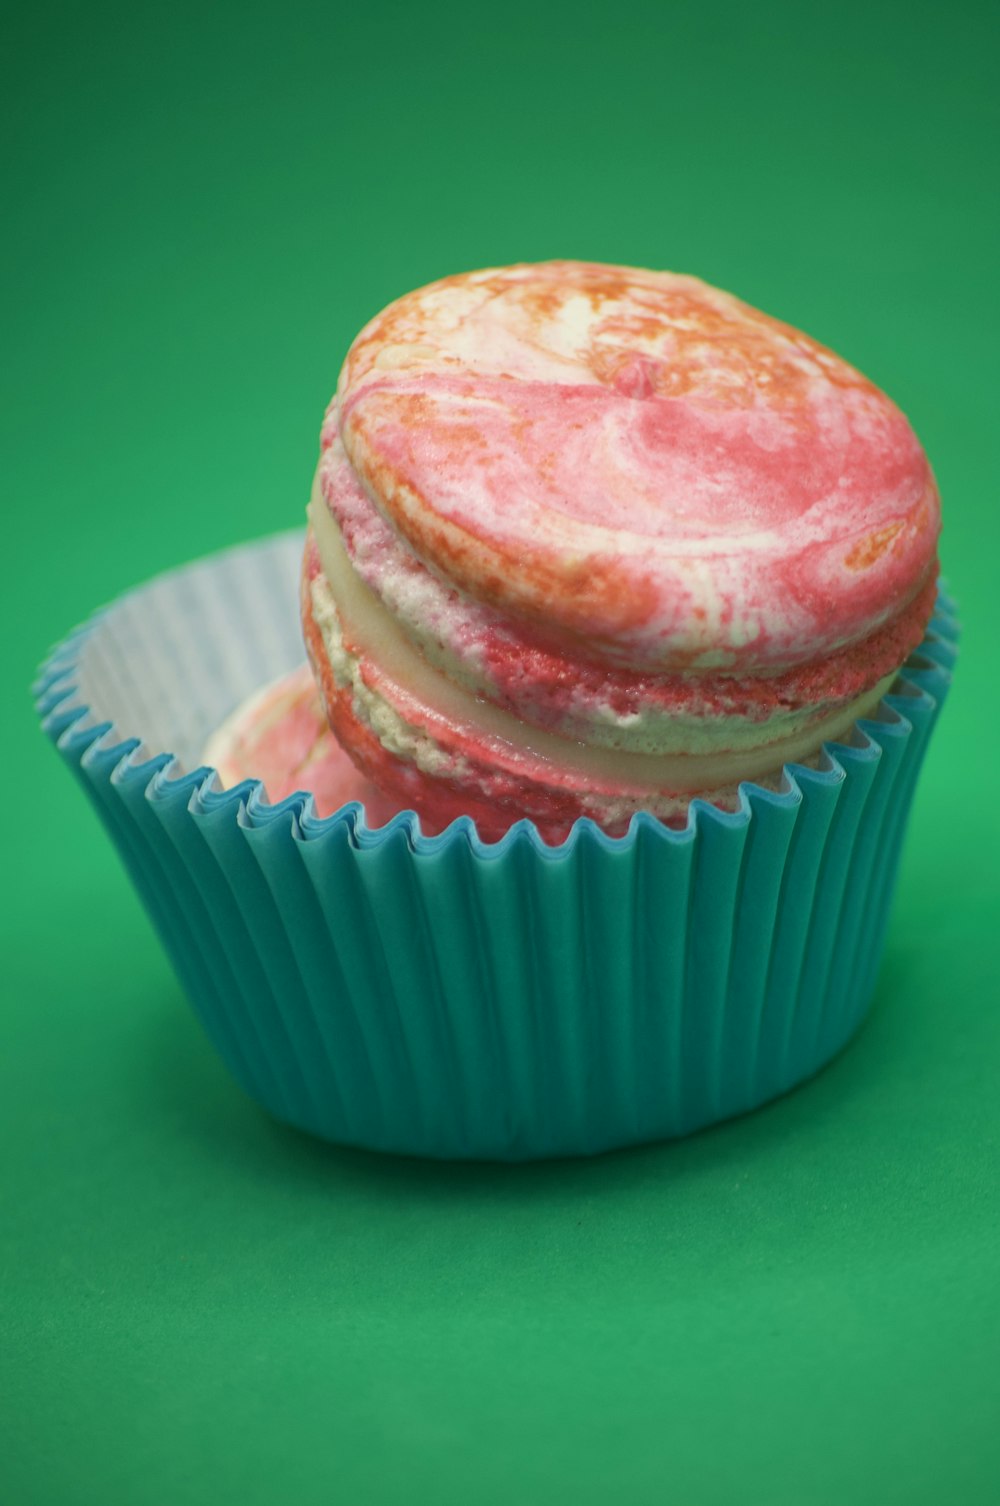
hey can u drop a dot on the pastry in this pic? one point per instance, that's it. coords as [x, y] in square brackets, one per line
[586, 540]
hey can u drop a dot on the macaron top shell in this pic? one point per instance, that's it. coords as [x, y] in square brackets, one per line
[638, 463]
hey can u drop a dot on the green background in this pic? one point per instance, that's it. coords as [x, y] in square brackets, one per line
[203, 204]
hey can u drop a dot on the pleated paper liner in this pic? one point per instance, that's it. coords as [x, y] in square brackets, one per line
[441, 996]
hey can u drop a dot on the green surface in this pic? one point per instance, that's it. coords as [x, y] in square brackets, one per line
[203, 204]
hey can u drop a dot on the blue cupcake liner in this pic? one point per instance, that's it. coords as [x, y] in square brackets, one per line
[448, 997]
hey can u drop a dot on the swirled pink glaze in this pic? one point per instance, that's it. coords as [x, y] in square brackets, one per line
[640, 462]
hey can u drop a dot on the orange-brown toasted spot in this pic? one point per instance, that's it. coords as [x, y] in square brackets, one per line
[546, 298]
[867, 550]
[413, 408]
[689, 345]
[543, 299]
[592, 591]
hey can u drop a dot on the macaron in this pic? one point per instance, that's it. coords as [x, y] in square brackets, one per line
[280, 736]
[586, 540]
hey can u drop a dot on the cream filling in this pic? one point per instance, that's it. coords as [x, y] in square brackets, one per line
[411, 696]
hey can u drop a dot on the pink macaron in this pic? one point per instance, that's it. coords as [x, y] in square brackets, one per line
[280, 736]
[587, 540]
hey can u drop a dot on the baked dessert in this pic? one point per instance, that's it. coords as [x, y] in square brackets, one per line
[280, 736]
[586, 540]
